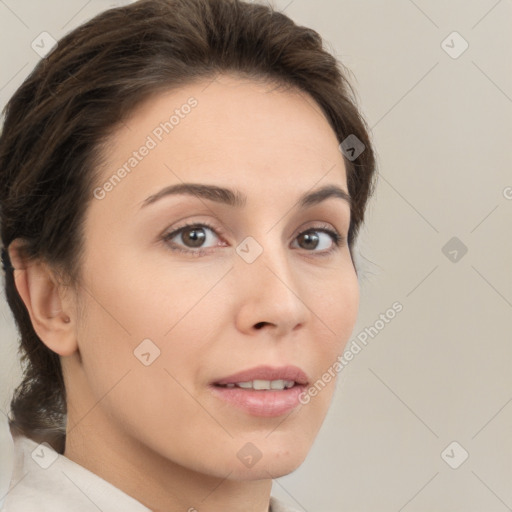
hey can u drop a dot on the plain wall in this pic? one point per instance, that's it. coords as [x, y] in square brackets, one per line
[440, 370]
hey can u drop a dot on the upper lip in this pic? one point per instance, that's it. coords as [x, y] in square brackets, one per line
[267, 373]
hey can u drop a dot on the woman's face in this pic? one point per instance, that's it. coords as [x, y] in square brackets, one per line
[169, 314]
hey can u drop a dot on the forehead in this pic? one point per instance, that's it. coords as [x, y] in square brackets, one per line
[223, 131]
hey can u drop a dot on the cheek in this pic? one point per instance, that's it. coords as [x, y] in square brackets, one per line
[150, 297]
[137, 376]
[149, 323]
[335, 305]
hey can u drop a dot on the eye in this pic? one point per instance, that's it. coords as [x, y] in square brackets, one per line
[199, 238]
[319, 239]
[192, 236]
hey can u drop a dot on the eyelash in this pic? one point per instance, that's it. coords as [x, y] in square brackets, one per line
[338, 239]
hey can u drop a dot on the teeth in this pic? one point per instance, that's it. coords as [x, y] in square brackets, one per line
[261, 384]
[264, 384]
[277, 384]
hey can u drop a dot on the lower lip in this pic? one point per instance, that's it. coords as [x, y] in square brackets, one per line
[267, 403]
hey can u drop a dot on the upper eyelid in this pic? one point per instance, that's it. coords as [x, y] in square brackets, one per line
[174, 231]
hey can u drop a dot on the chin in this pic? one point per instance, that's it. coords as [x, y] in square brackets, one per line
[281, 468]
[263, 472]
[271, 466]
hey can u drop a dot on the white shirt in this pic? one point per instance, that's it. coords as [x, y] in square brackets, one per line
[42, 480]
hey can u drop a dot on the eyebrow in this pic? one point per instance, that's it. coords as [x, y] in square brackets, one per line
[237, 199]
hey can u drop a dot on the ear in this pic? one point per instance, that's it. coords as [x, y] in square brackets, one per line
[49, 307]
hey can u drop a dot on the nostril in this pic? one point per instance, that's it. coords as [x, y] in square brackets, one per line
[259, 325]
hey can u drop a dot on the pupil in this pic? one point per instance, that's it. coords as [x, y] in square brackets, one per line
[310, 238]
[195, 236]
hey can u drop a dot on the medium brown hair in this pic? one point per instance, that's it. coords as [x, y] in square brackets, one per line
[58, 120]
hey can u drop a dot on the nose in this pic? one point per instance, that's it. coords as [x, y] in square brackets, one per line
[269, 294]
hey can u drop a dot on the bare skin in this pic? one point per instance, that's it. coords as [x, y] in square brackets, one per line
[157, 431]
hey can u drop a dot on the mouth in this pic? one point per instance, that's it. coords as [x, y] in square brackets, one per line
[263, 391]
[261, 385]
[265, 378]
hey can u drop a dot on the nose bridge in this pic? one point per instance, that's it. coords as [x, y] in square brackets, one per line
[266, 258]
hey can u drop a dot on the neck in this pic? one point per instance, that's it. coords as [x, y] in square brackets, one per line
[125, 462]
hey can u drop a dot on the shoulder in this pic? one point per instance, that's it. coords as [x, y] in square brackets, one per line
[44, 480]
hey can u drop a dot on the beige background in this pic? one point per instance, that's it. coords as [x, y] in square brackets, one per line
[440, 371]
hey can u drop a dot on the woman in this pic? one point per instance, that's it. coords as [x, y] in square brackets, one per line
[182, 182]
